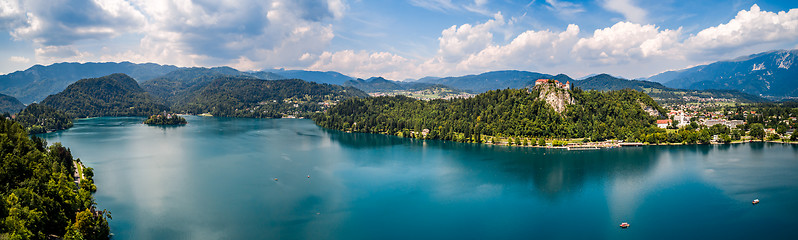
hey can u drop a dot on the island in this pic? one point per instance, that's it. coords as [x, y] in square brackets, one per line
[165, 119]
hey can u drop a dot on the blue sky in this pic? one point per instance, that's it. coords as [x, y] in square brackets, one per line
[397, 39]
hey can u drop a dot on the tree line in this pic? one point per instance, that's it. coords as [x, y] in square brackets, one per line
[502, 113]
[38, 118]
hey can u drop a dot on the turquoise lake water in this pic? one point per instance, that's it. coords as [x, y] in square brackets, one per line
[214, 179]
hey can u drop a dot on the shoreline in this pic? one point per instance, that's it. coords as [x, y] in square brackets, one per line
[599, 145]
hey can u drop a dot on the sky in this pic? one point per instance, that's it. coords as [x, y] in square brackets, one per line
[397, 39]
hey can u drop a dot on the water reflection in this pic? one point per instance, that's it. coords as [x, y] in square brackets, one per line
[742, 173]
[214, 179]
[548, 172]
[364, 140]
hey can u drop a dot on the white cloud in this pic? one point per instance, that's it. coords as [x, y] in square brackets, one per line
[625, 48]
[457, 42]
[57, 23]
[530, 49]
[11, 14]
[254, 34]
[748, 28]
[243, 33]
[18, 59]
[625, 42]
[51, 54]
[363, 64]
[626, 8]
[265, 33]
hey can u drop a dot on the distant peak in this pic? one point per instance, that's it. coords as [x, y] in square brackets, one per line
[372, 79]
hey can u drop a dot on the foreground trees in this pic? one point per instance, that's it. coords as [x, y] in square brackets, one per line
[38, 191]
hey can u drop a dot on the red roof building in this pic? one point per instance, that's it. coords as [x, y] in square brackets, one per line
[663, 123]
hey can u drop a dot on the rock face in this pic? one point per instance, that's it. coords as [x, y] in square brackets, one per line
[650, 110]
[556, 96]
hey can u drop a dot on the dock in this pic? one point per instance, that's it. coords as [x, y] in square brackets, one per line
[630, 144]
[600, 145]
[571, 148]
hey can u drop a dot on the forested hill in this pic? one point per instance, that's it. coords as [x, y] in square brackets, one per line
[605, 82]
[9, 104]
[510, 112]
[247, 97]
[112, 95]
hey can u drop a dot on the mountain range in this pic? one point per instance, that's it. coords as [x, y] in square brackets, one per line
[313, 76]
[37, 82]
[773, 73]
[197, 90]
[490, 80]
[605, 82]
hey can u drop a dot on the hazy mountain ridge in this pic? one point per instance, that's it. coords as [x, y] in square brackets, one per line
[606, 82]
[490, 80]
[330, 77]
[379, 84]
[37, 82]
[772, 73]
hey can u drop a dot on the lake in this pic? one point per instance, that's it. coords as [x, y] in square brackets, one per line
[215, 179]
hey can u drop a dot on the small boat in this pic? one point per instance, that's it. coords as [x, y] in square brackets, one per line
[308, 176]
[624, 225]
[756, 201]
[275, 179]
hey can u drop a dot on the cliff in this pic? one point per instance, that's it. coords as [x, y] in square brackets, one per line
[555, 95]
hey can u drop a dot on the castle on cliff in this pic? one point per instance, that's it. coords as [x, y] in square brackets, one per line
[566, 86]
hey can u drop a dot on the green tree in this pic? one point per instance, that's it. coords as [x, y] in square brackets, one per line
[725, 138]
[92, 225]
[704, 135]
[757, 131]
